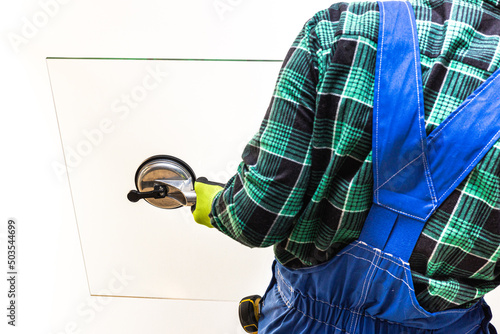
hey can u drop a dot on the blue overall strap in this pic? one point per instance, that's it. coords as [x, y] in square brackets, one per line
[400, 145]
[413, 173]
[465, 137]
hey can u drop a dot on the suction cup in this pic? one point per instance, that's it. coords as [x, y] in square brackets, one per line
[164, 181]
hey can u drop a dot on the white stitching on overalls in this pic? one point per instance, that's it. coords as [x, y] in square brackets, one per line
[288, 302]
[355, 314]
[351, 322]
[382, 269]
[413, 303]
[405, 213]
[424, 160]
[418, 307]
[399, 171]
[472, 329]
[341, 309]
[374, 266]
[404, 265]
[386, 256]
[472, 162]
[427, 173]
[448, 120]
[364, 246]
[426, 166]
[289, 305]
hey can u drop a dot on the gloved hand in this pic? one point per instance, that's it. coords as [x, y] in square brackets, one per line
[205, 193]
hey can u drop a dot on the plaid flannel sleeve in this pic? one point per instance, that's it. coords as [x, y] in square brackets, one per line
[259, 204]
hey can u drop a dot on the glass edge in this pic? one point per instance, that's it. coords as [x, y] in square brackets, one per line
[177, 59]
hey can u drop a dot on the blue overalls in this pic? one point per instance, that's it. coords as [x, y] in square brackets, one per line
[367, 287]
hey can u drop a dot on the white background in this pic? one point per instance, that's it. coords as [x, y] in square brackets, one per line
[53, 291]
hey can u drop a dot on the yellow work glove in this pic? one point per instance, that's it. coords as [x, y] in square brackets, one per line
[205, 193]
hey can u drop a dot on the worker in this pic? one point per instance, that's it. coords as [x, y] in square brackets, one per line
[376, 172]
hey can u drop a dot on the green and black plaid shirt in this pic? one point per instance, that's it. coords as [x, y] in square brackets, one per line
[305, 183]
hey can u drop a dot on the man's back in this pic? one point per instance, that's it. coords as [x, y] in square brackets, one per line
[308, 172]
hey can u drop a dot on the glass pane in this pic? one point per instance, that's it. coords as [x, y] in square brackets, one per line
[115, 113]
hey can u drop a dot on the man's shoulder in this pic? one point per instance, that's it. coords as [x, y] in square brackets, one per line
[345, 20]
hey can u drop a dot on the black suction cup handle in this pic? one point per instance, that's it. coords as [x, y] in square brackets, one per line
[158, 192]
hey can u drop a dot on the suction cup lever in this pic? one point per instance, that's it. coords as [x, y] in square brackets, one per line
[159, 191]
[173, 182]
